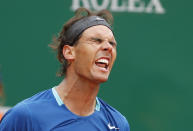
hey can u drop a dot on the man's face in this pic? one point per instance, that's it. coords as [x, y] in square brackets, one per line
[95, 54]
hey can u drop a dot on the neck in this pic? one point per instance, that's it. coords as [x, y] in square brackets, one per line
[78, 95]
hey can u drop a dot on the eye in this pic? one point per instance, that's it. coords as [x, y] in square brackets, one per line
[98, 40]
[112, 43]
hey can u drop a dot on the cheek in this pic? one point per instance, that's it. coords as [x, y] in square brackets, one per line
[84, 57]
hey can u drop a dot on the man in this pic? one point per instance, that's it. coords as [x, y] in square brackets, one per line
[86, 48]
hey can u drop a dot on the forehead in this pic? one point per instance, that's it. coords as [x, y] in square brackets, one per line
[98, 31]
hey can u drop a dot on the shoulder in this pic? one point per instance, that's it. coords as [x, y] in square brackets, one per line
[112, 110]
[23, 113]
[45, 95]
[14, 117]
[116, 116]
[35, 102]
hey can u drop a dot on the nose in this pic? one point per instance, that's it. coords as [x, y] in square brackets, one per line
[107, 46]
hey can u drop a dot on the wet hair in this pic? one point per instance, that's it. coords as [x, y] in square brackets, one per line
[62, 39]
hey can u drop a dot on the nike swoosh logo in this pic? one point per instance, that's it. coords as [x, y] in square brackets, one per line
[112, 127]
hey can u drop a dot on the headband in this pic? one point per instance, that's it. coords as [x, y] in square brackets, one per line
[78, 27]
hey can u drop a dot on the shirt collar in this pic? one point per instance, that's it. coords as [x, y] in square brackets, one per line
[60, 102]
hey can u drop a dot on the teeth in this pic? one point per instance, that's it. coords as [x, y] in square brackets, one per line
[103, 61]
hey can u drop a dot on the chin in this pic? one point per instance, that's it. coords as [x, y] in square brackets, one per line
[100, 79]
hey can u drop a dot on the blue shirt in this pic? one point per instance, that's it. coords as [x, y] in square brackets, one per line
[45, 111]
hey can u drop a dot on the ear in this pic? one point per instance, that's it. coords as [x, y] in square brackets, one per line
[68, 52]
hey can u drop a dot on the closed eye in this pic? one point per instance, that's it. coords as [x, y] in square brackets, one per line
[113, 43]
[98, 40]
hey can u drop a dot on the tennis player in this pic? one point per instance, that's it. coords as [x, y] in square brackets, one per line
[86, 49]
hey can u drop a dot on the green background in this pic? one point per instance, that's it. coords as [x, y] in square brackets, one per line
[152, 79]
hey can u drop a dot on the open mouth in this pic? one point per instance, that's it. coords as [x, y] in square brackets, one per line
[102, 63]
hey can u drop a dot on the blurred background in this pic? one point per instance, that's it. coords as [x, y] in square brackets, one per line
[152, 80]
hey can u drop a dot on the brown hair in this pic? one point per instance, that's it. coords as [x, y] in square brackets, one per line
[60, 41]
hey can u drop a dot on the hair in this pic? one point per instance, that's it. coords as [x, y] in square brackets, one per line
[61, 40]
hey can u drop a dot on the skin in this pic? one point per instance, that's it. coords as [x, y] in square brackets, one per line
[80, 87]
